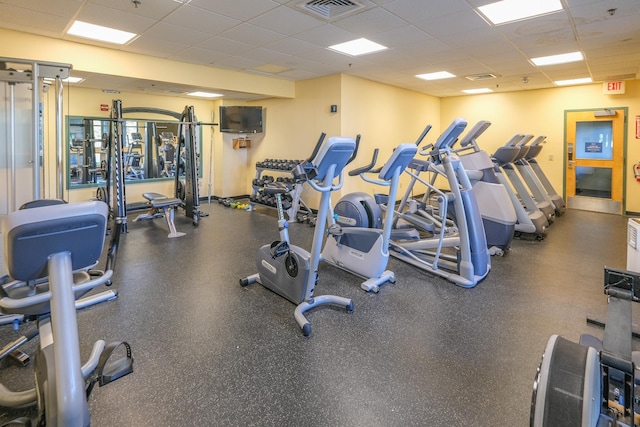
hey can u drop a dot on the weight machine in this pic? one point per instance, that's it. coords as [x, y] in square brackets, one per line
[186, 193]
[22, 162]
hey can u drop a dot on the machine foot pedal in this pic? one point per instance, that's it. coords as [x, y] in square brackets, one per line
[20, 357]
[111, 367]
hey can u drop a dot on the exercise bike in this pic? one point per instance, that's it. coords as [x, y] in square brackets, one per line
[364, 251]
[289, 270]
[592, 383]
[56, 242]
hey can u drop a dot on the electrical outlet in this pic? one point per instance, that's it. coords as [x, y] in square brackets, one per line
[551, 157]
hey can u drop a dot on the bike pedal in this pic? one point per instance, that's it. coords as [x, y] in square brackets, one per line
[111, 367]
[20, 357]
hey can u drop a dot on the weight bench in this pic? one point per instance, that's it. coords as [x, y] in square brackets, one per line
[168, 206]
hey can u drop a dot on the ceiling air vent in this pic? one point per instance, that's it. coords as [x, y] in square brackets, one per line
[485, 76]
[620, 77]
[330, 9]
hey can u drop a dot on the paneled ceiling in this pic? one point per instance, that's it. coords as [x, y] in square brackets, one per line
[285, 39]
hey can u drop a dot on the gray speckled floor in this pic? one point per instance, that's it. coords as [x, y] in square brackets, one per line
[422, 352]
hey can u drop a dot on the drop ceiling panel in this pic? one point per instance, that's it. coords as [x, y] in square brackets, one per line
[156, 9]
[286, 21]
[156, 47]
[172, 33]
[544, 24]
[566, 72]
[539, 51]
[290, 46]
[432, 50]
[326, 35]
[21, 19]
[239, 63]
[623, 26]
[109, 17]
[479, 36]
[495, 51]
[61, 8]
[251, 34]
[421, 10]
[370, 22]
[299, 74]
[604, 71]
[620, 53]
[510, 69]
[422, 36]
[594, 10]
[440, 27]
[267, 56]
[241, 10]
[310, 65]
[201, 20]
[223, 45]
[545, 40]
[200, 56]
[402, 36]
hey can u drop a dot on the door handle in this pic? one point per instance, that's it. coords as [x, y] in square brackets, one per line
[570, 154]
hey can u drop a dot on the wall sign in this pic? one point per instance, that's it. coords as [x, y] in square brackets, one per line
[593, 147]
[104, 107]
[613, 88]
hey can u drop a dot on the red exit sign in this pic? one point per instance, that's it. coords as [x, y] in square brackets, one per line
[613, 88]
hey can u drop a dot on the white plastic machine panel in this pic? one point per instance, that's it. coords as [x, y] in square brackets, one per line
[633, 251]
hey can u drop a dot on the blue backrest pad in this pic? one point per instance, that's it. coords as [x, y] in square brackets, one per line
[32, 235]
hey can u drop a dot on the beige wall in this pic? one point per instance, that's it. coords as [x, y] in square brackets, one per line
[385, 116]
[296, 113]
[541, 112]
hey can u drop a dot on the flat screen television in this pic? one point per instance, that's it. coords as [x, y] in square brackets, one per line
[240, 119]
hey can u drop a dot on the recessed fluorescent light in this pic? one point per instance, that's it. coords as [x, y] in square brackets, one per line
[205, 94]
[476, 91]
[516, 10]
[71, 79]
[563, 58]
[98, 32]
[573, 81]
[435, 76]
[357, 47]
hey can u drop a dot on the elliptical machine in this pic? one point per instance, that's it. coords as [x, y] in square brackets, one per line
[361, 250]
[289, 270]
[454, 224]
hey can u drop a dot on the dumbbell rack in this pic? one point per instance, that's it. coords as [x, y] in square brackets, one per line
[293, 203]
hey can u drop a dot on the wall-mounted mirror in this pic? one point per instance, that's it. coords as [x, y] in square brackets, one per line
[149, 153]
